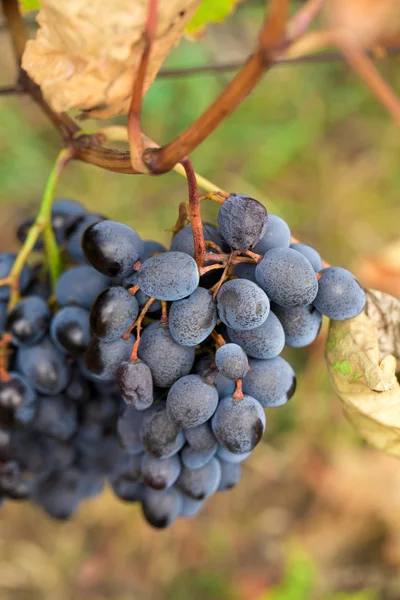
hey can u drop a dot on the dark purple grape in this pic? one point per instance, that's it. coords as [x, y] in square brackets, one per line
[112, 248]
[28, 321]
[129, 429]
[161, 436]
[136, 384]
[80, 286]
[168, 276]
[239, 425]
[7, 260]
[242, 221]
[56, 416]
[340, 296]
[242, 304]
[191, 401]
[272, 382]
[265, 341]
[194, 459]
[114, 311]
[231, 361]
[70, 330]
[44, 366]
[201, 438]
[58, 493]
[202, 483]
[301, 325]
[277, 235]
[310, 253]
[161, 508]
[230, 475]
[192, 319]
[158, 473]
[103, 358]
[74, 232]
[18, 401]
[152, 247]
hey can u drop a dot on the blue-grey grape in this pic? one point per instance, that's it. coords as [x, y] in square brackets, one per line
[152, 247]
[277, 235]
[191, 401]
[287, 277]
[70, 330]
[272, 382]
[301, 325]
[201, 483]
[58, 493]
[74, 234]
[242, 304]
[239, 425]
[161, 436]
[103, 358]
[245, 271]
[230, 475]
[230, 457]
[28, 321]
[166, 359]
[192, 319]
[158, 473]
[265, 341]
[242, 221]
[195, 459]
[129, 428]
[168, 276]
[7, 260]
[44, 366]
[162, 507]
[140, 296]
[183, 240]
[231, 361]
[56, 416]
[136, 384]
[201, 438]
[190, 507]
[340, 296]
[310, 253]
[80, 285]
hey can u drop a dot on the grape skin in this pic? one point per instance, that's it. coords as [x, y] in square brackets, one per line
[70, 330]
[136, 384]
[201, 483]
[277, 235]
[160, 474]
[192, 319]
[190, 507]
[242, 304]
[80, 285]
[152, 247]
[301, 324]
[56, 416]
[166, 359]
[129, 430]
[140, 296]
[113, 313]
[239, 425]
[74, 234]
[7, 260]
[160, 435]
[193, 459]
[231, 360]
[310, 253]
[230, 457]
[58, 493]
[272, 382]
[265, 341]
[242, 221]
[287, 277]
[230, 475]
[161, 508]
[168, 276]
[44, 366]
[201, 438]
[191, 401]
[27, 323]
[103, 358]
[340, 296]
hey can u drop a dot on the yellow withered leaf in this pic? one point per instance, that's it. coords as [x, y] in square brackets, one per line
[364, 379]
[86, 52]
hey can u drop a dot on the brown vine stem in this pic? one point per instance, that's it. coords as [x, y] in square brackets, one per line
[238, 395]
[194, 212]
[135, 110]
[218, 339]
[138, 325]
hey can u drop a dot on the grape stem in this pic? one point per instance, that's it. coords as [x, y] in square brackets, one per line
[194, 212]
[42, 225]
[138, 325]
[164, 312]
[218, 339]
[238, 395]
[4, 342]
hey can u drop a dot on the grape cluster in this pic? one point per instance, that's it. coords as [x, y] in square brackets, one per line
[146, 372]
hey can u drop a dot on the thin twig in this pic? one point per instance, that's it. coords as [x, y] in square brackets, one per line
[138, 325]
[135, 110]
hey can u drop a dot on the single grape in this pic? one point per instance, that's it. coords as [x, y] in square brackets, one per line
[80, 285]
[28, 321]
[310, 253]
[140, 296]
[239, 425]
[79, 388]
[44, 366]
[18, 400]
[7, 260]
[183, 240]
[191, 401]
[129, 430]
[113, 313]
[112, 248]
[242, 221]
[245, 271]
[190, 507]
[103, 358]
[136, 384]
[272, 382]
[127, 490]
[166, 359]
[158, 473]
[207, 368]
[161, 436]
[128, 466]
[56, 416]
[58, 493]
[201, 438]
[192, 319]
[242, 304]
[168, 276]
[151, 247]
[12, 483]
[230, 475]
[340, 296]
[201, 483]
[301, 325]
[265, 341]
[70, 330]
[231, 361]
[277, 235]
[230, 457]
[74, 232]
[194, 459]
[161, 507]
[287, 277]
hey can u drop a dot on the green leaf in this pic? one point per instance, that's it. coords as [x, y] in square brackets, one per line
[361, 356]
[27, 5]
[210, 11]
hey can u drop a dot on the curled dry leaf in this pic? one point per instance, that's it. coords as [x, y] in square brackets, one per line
[364, 374]
[86, 52]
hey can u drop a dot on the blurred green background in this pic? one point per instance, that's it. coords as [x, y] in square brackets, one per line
[317, 513]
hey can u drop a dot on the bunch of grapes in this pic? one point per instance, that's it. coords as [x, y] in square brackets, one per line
[146, 371]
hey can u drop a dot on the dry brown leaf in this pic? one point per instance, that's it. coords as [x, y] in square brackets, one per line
[381, 269]
[86, 52]
[366, 383]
